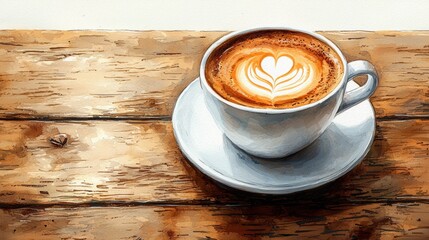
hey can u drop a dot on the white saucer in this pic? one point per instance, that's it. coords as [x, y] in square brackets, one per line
[343, 145]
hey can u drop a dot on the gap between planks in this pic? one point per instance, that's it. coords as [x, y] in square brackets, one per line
[159, 118]
[267, 201]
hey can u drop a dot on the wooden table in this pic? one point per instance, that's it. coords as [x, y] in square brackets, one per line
[122, 176]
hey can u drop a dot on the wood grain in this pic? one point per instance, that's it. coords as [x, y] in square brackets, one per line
[140, 162]
[128, 180]
[370, 221]
[87, 74]
[84, 73]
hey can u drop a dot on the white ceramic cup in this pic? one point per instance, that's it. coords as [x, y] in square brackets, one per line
[275, 133]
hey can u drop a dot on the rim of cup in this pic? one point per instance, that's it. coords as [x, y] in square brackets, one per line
[228, 36]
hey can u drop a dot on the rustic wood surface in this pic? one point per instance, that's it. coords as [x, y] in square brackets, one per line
[121, 175]
[368, 221]
[140, 74]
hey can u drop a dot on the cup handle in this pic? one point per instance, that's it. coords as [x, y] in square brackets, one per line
[355, 96]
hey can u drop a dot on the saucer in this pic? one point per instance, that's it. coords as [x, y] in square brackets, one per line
[340, 148]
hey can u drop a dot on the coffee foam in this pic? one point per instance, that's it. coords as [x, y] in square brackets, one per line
[273, 69]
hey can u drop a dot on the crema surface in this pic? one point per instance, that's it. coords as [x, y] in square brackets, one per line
[274, 69]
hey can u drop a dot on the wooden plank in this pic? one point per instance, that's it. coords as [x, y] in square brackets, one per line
[371, 221]
[86, 73]
[140, 162]
[140, 74]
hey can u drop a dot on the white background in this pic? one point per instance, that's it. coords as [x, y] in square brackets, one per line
[214, 15]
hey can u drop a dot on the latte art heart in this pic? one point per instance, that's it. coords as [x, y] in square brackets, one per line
[276, 67]
[271, 77]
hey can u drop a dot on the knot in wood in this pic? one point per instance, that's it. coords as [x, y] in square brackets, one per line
[59, 140]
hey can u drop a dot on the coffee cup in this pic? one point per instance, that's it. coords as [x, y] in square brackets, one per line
[273, 91]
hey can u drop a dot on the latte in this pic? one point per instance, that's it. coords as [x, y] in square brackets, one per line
[274, 69]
